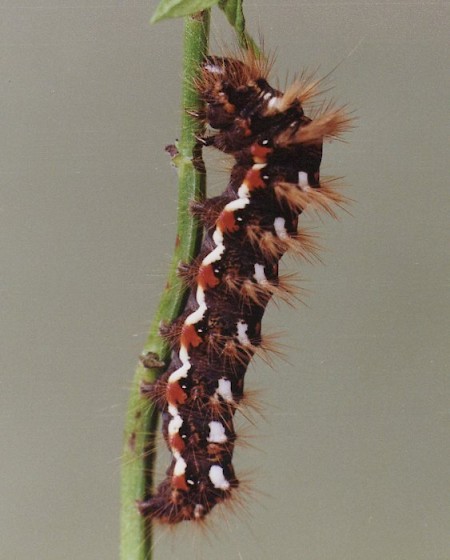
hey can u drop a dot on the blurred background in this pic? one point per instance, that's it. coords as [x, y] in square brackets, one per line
[351, 458]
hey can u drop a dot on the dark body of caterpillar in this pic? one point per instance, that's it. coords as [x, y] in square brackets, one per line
[277, 151]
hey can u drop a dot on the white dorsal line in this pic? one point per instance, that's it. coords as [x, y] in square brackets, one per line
[197, 315]
[259, 166]
[243, 193]
[217, 431]
[213, 256]
[175, 425]
[180, 372]
[173, 411]
[180, 467]
[237, 204]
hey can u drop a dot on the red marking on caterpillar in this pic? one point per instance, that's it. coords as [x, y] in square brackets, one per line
[277, 151]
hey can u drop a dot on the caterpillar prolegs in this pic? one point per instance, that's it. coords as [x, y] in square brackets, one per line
[277, 151]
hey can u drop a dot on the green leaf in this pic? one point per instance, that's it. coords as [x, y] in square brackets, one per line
[179, 8]
[234, 11]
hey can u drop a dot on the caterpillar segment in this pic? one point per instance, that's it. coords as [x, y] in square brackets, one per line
[275, 177]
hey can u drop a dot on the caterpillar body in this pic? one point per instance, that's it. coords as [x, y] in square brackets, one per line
[277, 151]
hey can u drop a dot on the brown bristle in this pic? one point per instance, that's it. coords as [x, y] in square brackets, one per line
[250, 405]
[209, 210]
[252, 292]
[238, 73]
[171, 333]
[249, 290]
[264, 346]
[302, 91]
[300, 199]
[230, 350]
[188, 272]
[331, 123]
[301, 244]
[155, 391]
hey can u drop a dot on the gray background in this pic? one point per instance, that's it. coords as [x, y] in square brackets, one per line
[351, 459]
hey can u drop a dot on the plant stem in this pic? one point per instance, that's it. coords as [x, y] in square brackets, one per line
[142, 417]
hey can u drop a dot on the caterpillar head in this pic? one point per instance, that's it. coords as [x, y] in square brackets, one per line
[234, 90]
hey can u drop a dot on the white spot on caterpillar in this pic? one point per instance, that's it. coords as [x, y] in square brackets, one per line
[180, 467]
[199, 511]
[303, 179]
[214, 68]
[259, 275]
[274, 103]
[224, 389]
[280, 229]
[216, 433]
[175, 424]
[217, 478]
[242, 329]
[267, 95]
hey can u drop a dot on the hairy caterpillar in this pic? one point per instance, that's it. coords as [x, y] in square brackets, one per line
[277, 151]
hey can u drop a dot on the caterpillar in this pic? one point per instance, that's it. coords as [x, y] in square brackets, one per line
[277, 151]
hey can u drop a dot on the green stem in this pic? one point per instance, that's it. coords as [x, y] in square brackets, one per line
[142, 417]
